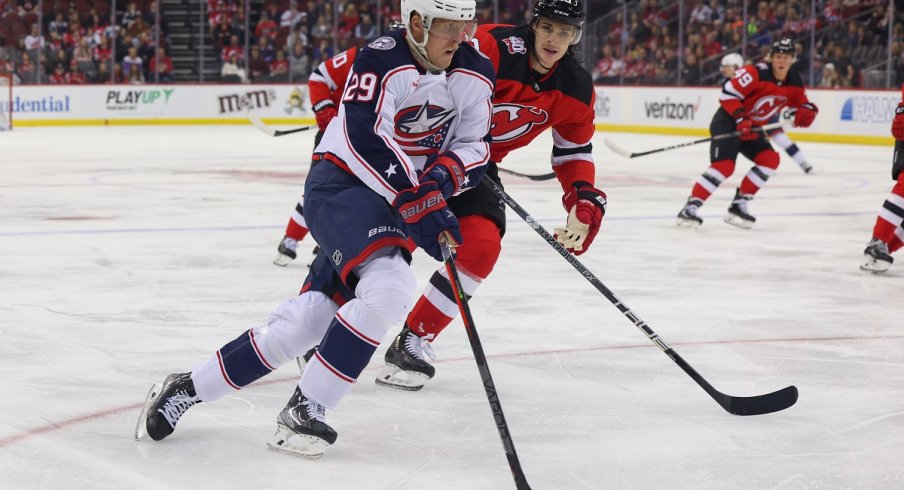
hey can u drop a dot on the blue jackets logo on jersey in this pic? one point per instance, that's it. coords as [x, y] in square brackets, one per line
[421, 130]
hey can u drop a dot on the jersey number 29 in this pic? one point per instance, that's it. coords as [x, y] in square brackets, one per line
[360, 88]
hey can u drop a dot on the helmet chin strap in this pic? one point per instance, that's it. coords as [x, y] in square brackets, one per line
[419, 50]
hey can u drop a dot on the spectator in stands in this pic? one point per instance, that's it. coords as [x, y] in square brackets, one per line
[322, 29]
[130, 15]
[291, 17]
[162, 66]
[830, 78]
[366, 30]
[348, 20]
[232, 72]
[59, 24]
[118, 76]
[702, 13]
[151, 17]
[279, 68]
[268, 52]
[260, 69]
[59, 75]
[102, 75]
[692, 71]
[102, 51]
[222, 32]
[27, 70]
[34, 40]
[299, 35]
[76, 77]
[323, 51]
[136, 77]
[131, 63]
[265, 26]
[234, 48]
[299, 64]
[608, 69]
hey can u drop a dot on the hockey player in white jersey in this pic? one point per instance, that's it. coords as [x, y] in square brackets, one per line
[411, 132]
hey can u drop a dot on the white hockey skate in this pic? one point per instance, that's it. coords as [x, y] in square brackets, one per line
[406, 362]
[876, 257]
[301, 429]
[737, 212]
[687, 217]
[285, 252]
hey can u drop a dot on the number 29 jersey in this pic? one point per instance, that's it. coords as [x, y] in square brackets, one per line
[395, 117]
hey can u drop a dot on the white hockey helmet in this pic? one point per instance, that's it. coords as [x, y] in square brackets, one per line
[438, 9]
[733, 59]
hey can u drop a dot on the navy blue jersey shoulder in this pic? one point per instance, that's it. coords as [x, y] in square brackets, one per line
[569, 77]
[384, 54]
[467, 57]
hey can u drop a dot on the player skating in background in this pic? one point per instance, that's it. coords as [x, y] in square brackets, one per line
[888, 234]
[539, 85]
[748, 101]
[730, 64]
[412, 130]
[325, 88]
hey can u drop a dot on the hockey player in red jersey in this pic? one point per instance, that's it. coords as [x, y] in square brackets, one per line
[538, 85]
[412, 130]
[731, 63]
[888, 234]
[325, 88]
[748, 101]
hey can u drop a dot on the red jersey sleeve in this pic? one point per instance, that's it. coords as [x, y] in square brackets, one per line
[327, 83]
[486, 43]
[737, 88]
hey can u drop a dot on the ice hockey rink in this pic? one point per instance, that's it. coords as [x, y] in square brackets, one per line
[132, 252]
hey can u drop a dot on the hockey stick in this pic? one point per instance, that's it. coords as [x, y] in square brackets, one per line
[628, 154]
[548, 176]
[735, 405]
[259, 124]
[488, 385]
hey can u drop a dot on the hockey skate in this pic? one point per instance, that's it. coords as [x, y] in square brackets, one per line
[688, 218]
[806, 167]
[305, 359]
[876, 257]
[737, 212]
[286, 251]
[406, 367]
[301, 428]
[165, 404]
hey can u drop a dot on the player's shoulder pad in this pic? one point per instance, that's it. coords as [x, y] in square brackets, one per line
[571, 79]
[467, 57]
[763, 71]
[383, 54]
[794, 79]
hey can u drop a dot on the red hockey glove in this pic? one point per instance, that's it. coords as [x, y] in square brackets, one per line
[427, 217]
[586, 207]
[448, 173]
[806, 113]
[324, 115]
[745, 128]
[897, 125]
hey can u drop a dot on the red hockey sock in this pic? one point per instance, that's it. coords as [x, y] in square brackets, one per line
[296, 231]
[474, 259]
[766, 163]
[712, 178]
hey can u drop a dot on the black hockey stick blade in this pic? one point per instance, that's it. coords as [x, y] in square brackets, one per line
[258, 123]
[548, 176]
[760, 404]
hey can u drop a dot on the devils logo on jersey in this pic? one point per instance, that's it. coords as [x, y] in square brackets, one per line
[515, 45]
[766, 107]
[511, 121]
[421, 130]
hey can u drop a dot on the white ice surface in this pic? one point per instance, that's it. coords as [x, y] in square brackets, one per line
[127, 253]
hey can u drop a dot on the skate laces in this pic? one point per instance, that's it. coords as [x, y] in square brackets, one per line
[878, 247]
[420, 347]
[315, 410]
[176, 406]
[290, 243]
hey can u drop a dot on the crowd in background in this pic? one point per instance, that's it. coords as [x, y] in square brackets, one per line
[637, 43]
